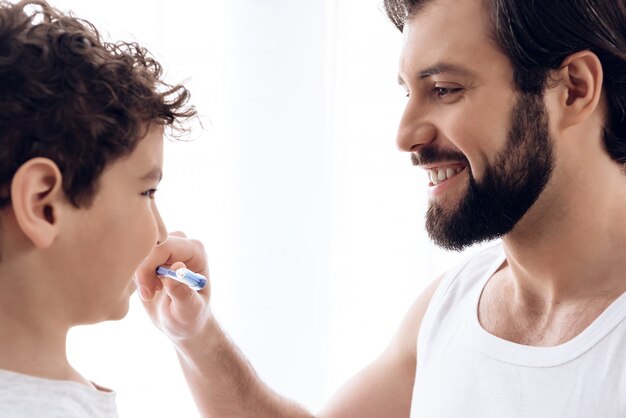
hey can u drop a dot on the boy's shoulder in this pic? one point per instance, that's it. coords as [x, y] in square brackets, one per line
[28, 396]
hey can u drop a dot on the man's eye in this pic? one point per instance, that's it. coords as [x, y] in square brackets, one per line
[446, 91]
[149, 193]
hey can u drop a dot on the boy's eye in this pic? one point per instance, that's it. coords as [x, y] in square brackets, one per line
[149, 193]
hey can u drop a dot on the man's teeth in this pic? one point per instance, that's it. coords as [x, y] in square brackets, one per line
[438, 175]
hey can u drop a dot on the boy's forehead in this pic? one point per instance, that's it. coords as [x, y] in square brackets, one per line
[145, 162]
[155, 174]
[149, 150]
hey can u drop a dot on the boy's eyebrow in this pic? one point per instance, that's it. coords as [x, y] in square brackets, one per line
[441, 68]
[156, 174]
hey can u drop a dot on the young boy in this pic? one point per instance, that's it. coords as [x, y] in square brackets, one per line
[81, 149]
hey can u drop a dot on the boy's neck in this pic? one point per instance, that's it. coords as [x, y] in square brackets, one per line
[32, 338]
[22, 351]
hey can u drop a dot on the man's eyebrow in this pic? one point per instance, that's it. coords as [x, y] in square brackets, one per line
[441, 68]
[156, 174]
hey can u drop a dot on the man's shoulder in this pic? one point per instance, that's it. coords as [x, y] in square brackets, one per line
[475, 264]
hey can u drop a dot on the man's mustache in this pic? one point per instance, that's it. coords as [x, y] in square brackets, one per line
[433, 155]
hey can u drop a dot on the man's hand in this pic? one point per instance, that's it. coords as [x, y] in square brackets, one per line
[224, 383]
[177, 310]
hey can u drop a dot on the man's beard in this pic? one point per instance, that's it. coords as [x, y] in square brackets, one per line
[509, 187]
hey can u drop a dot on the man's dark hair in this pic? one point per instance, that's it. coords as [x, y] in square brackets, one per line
[67, 95]
[537, 36]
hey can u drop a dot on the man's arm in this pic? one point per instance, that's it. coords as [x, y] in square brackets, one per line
[385, 387]
[224, 384]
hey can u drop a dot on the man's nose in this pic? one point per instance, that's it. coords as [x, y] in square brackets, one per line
[415, 129]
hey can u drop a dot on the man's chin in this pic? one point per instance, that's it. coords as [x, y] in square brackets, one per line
[448, 231]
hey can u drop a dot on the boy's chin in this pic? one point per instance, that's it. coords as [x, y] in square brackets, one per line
[113, 312]
[122, 310]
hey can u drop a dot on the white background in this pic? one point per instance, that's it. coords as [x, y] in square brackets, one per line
[312, 219]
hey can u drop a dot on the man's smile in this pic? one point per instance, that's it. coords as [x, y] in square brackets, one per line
[442, 173]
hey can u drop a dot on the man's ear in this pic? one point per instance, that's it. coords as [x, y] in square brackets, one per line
[579, 87]
[36, 198]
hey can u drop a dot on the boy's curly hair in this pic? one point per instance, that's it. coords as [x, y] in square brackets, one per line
[68, 95]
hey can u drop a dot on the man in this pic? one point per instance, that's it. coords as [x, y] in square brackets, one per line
[517, 112]
[81, 154]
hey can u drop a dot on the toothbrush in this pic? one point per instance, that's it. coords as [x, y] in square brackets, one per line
[194, 280]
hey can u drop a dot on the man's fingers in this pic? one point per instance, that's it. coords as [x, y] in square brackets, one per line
[145, 275]
[176, 252]
[176, 290]
[178, 265]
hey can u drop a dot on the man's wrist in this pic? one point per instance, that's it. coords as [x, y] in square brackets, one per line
[198, 350]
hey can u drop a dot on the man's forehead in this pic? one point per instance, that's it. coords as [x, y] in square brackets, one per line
[444, 31]
[455, 22]
[430, 8]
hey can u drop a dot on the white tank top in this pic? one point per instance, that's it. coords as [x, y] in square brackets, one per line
[464, 371]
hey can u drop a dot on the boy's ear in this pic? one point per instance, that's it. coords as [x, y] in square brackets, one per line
[36, 198]
[580, 87]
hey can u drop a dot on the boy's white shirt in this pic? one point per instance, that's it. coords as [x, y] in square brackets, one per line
[24, 396]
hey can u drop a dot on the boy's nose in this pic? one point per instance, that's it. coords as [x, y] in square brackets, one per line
[161, 229]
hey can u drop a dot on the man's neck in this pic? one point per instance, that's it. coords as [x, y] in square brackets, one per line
[565, 261]
[570, 244]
